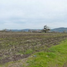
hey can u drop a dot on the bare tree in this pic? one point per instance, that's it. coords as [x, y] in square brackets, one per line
[46, 29]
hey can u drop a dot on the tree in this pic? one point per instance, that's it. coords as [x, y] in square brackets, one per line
[46, 29]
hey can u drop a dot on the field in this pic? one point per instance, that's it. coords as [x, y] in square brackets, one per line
[19, 49]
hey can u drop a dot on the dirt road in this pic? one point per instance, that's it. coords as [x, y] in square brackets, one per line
[65, 65]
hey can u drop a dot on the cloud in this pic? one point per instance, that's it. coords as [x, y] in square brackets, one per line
[32, 13]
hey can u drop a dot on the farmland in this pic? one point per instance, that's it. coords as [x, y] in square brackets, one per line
[16, 46]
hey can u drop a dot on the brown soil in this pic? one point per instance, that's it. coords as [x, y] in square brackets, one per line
[65, 65]
[14, 58]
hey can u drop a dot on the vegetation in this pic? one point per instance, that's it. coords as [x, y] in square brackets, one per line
[55, 57]
[46, 29]
[32, 49]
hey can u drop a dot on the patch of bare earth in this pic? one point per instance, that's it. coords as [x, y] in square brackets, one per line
[65, 65]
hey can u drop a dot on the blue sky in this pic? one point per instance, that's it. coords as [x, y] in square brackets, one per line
[33, 14]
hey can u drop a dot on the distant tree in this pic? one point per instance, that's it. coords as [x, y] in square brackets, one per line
[46, 29]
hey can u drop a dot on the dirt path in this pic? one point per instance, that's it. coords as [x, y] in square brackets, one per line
[65, 65]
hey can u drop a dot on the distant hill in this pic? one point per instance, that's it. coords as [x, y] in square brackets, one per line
[61, 29]
[26, 30]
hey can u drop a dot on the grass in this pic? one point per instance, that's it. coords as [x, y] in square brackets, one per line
[29, 51]
[55, 57]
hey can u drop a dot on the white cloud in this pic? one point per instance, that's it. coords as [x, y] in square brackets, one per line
[28, 13]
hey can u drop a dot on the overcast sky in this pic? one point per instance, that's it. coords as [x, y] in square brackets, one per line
[33, 14]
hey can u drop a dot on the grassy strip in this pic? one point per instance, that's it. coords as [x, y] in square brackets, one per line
[56, 57]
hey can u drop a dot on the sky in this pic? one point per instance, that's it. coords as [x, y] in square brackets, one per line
[32, 14]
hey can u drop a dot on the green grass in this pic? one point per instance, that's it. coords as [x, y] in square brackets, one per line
[55, 57]
[29, 51]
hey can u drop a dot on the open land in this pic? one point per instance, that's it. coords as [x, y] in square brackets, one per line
[19, 49]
